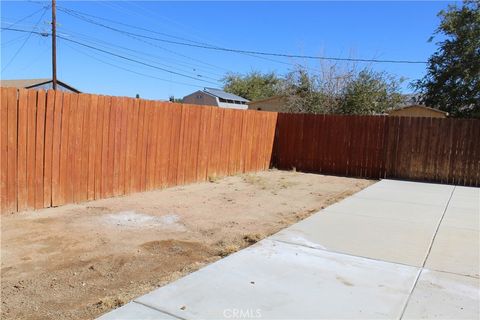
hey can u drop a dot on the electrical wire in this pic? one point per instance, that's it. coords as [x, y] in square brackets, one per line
[129, 70]
[78, 14]
[198, 71]
[262, 53]
[28, 16]
[81, 16]
[25, 41]
[150, 15]
[110, 53]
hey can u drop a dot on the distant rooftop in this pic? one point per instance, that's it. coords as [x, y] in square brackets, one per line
[32, 83]
[224, 95]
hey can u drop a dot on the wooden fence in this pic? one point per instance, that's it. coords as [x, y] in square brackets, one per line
[423, 149]
[58, 148]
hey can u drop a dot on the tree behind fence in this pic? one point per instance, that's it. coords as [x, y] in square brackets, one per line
[422, 149]
[58, 148]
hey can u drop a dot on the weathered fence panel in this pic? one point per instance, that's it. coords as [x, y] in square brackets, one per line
[58, 148]
[422, 149]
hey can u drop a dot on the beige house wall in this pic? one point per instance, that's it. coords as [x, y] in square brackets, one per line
[277, 104]
[417, 111]
[200, 98]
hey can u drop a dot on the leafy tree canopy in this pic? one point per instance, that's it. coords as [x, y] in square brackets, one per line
[252, 86]
[452, 82]
[371, 93]
[342, 92]
[330, 90]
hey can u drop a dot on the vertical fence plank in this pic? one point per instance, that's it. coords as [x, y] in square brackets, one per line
[175, 136]
[85, 109]
[129, 160]
[31, 141]
[104, 183]
[3, 150]
[192, 163]
[99, 146]
[110, 160]
[159, 144]
[204, 142]
[117, 138]
[123, 146]
[93, 133]
[151, 146]
[49, 129]
[216, 121]
[40, 148]
[12, 114]
[78, 154]
[163, 140]
[61, 139]
[56, 147]
[22, 149]
[183, 144]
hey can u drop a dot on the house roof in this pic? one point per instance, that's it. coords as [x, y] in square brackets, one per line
[30, 83]
[224, 95]
[419, 106]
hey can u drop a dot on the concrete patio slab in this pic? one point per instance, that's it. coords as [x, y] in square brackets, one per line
[455, 250]
[467, 192]
[462, 218]
[465, 202]
[373, 237]
[410, 192]
[408, 212]
[136, 311]
[440, 295]
[408, 196]
[274, 280]
[399, 185]
[360, 258]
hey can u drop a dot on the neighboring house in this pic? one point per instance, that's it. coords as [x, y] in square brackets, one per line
[38, 84]
[417, 111]
[216, 97]
[277, 104]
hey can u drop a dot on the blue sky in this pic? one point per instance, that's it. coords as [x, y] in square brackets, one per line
[378, 30]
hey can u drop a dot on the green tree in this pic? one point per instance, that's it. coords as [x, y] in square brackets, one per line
[252, 86]
[335, 91]
[371, 92]
[176, 100]
[452, 82]
[304, 92]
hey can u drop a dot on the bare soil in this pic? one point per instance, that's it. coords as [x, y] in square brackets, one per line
[79, 261]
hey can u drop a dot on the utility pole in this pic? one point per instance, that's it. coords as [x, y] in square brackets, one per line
[54, 45]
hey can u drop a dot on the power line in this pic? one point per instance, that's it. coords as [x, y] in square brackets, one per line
[262, 53]
[25, 41]
[68, 10]
[135, 36]
[107, 45]
[111, 53]
[28, 16]
[154, 17]
[6, 43]
[131, 71]
[82, 16]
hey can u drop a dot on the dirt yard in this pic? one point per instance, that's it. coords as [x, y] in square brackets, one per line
[79, 261]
